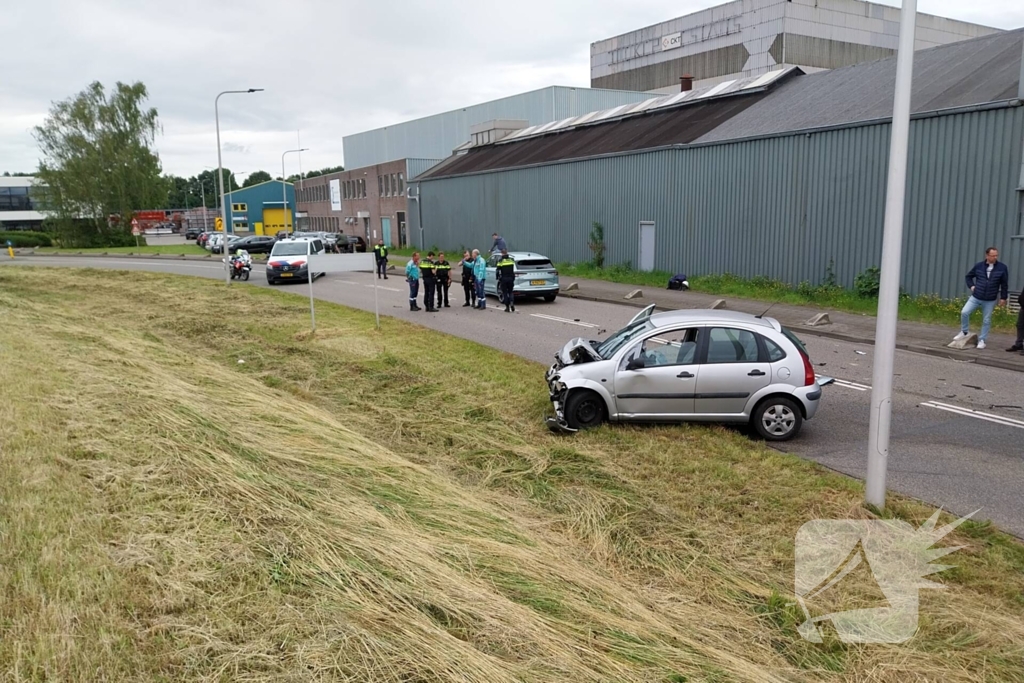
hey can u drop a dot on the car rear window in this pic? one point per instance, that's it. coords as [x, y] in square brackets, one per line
[795, 339]
[534, 264]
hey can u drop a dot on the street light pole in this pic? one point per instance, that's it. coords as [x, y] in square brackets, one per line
[892, 253]
[284, 191]
[220, 171]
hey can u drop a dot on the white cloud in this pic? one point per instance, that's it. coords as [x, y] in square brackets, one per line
[330, 68]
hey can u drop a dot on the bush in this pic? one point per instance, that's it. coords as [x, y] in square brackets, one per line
[26, 239]
[868, 282]
[597, 245]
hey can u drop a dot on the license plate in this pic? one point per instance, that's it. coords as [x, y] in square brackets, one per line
[287, 274]
[538, 283]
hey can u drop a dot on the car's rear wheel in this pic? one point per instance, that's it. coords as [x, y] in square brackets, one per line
[549, 297]
[777, 418]
[584, 410]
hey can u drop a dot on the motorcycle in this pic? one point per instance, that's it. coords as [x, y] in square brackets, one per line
[240, 269]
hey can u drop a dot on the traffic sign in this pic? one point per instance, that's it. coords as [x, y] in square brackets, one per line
[218, 223]
[135, 226]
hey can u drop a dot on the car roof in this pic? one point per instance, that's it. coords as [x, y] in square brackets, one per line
[297, 239]
[694, 315]
[517, 255]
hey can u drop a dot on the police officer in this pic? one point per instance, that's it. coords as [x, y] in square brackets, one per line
[443, 270]
[381, 252]
[429, 282]
[468, 281]
[412, 276]
[507, 279]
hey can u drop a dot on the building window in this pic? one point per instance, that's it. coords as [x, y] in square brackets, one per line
[387, 185]
[401, 185]
[241, 225]
[240, 208]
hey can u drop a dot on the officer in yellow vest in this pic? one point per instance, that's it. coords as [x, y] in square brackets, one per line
[443, 269]
[429, 282]
[381, 252]
[506, 280]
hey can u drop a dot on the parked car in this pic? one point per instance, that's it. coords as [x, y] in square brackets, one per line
[203, 237]
[255, 244]
[193, 232]
[535, 276]
[688, 365]
[216, 243]
[289, 260]
[352, 244]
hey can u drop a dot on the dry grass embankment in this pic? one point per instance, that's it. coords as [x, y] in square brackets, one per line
[387, 506]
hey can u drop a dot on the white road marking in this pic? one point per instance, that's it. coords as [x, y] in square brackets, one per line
[852, 385]
[563, 320]
[977, 414]
[386, 289]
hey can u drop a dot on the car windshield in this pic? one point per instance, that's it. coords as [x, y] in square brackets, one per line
[290, 249]
[533, 264]
[612, 344]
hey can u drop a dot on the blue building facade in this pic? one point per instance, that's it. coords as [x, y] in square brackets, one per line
[262, 209]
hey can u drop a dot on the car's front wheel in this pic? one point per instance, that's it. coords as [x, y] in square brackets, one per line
[777, 418]
[584, 410]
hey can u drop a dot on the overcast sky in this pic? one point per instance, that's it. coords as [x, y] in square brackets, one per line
[330, 67]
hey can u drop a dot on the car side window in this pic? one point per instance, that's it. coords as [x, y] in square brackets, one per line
[318, 246]
[678, 347]
[493, 261]
[775, 352]
[728, 345]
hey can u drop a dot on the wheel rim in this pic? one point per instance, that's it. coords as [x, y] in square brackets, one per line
[587, 411]
[778, 420]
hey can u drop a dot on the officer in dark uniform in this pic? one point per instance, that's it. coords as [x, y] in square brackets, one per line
[429, 282]
[468, 280]
[443, 270]
[507, 279]
[381, 252]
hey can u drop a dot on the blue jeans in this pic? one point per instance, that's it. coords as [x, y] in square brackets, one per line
[481, 298]
[987, 307]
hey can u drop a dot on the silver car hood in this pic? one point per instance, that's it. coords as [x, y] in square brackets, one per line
[577, 350]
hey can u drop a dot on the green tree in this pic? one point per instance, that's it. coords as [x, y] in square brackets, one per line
[98, 161]
[256, 177]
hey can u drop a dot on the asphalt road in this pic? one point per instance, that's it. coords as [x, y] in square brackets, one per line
[957, 427]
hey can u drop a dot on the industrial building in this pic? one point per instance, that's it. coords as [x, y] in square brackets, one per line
[370, 202]
[19, 204]
[748, 38]
[262, 209]
[781, 175]
[434, 137]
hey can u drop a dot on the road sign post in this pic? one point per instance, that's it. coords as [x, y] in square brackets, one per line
[340, 263]
[135, 230]
[10, 248]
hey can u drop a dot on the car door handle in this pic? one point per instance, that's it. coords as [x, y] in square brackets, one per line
[685, 375]
[755, 373]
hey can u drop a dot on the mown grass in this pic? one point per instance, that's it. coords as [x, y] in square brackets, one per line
[924, 309]
[163, 249]
[387, 506]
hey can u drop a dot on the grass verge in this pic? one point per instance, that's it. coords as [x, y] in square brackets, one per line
[386, 506]
[163, 249]
[923, 309]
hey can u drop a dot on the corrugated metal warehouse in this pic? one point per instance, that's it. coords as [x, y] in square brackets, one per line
[435, 137]
[777, 176]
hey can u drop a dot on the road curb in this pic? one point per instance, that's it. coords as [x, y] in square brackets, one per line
[936, 352]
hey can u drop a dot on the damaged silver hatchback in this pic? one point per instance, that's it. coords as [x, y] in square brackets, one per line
[688, 366]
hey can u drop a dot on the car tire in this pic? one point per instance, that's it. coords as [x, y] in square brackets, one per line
[550, 297]
[584, 410]
[777, 418]
[271, 282]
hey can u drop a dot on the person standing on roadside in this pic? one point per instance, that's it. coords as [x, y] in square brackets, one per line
[507, 280]
[479, 276]
[381, 253]
[1019, 344]
[429, 282]
[412, 276]
[443, 270]
[989, 282]
[468, 286]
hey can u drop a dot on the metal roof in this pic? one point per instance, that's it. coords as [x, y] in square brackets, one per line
[970, 72]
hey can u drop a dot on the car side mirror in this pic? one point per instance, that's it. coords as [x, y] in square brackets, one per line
[638, 363]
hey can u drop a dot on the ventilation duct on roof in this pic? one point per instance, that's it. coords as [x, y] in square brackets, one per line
[489, 132]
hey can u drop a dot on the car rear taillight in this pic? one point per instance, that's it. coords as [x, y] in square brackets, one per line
[809, 377]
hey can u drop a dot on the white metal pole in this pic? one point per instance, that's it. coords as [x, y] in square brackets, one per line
[312, 310]
[376, 307]
[892, 253]
[284, 190]
[220, 175]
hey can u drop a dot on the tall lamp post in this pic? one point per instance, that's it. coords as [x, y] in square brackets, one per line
[220, 171]
[892, 248]
[284, 190]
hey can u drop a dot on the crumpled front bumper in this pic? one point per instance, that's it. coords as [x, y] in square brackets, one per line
[556, 393]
